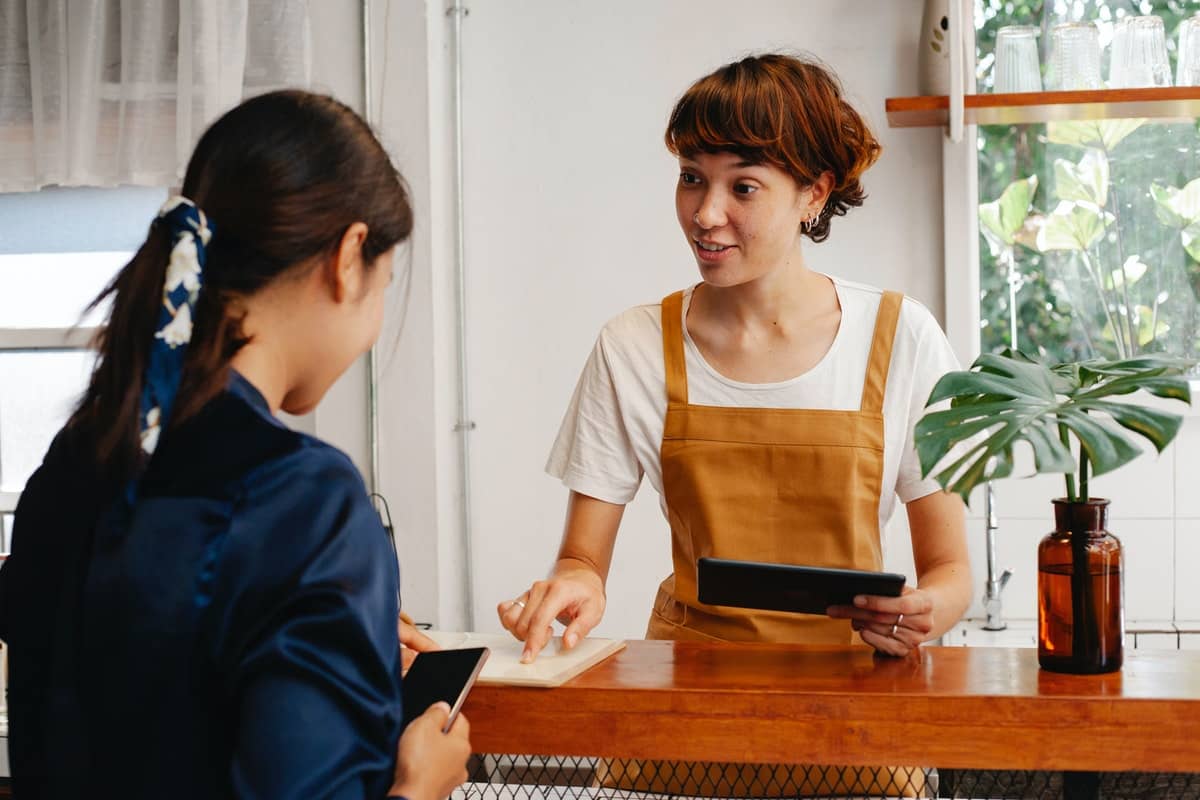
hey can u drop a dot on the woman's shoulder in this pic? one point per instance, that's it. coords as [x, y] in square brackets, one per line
[915, 320]
[633, 332]
[233, 445]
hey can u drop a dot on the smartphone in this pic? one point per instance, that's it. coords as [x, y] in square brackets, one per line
[787, 587]
[440, 675]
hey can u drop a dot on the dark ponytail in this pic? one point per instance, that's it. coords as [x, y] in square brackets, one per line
[124, 347]
[281, 178]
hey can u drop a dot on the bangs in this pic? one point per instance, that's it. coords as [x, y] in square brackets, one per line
[730, 112]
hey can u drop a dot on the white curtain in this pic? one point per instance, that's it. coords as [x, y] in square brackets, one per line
[108, 92]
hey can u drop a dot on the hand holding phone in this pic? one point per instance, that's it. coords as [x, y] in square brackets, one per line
[431, 764]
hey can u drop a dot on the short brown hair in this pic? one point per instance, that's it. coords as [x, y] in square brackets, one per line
[780, 110]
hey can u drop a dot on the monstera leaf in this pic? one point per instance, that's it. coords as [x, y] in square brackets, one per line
[1008, 398]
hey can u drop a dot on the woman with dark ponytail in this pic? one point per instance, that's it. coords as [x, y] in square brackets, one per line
[201, 602]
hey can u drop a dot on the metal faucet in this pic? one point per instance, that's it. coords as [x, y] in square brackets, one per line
[995, 585]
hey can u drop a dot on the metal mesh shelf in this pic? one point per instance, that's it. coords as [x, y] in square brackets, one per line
[531, 777]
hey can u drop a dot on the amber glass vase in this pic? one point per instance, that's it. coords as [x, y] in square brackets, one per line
[1081, 619]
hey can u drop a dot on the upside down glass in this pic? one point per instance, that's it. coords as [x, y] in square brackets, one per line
[1139, 54]
[1187, 71]
[1074, 57]
[1017, 67]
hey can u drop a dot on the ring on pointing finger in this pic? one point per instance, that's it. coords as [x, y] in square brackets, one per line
[520, 603]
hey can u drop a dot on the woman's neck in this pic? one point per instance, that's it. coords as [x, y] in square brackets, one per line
[264, 371]
[783, 299]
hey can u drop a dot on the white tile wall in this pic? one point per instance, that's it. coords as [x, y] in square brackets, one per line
[970, 633]
[1167, 640]
[1187, 469]
[1190, 640]
[1029, 497]
[1186, 562]
[1153, 475]
[1147, 635]
[1149, 548]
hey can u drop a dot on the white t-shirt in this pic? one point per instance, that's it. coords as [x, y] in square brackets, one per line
[612, 431]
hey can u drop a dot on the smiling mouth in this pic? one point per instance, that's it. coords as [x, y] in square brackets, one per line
[712, 248]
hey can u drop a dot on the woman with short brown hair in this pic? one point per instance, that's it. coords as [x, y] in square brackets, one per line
[771, 406]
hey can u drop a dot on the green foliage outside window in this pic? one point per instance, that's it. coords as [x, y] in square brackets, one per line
[1091, 230]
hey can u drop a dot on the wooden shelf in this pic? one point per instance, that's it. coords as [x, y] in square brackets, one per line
[1173, 102]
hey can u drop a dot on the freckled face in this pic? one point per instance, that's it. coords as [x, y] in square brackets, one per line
[741, 220]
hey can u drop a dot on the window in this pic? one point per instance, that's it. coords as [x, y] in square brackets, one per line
[58, 249]
[1090, 230]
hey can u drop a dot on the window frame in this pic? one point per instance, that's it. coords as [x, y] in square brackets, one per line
[960, 221]
[41, 340]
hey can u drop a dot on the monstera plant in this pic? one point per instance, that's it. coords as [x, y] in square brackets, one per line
[1072, 419]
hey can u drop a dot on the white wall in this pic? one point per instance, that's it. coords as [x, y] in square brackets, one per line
[415, 356]
[569, 221]
[337, 70]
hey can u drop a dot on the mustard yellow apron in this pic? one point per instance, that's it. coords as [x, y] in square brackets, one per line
[789, 486]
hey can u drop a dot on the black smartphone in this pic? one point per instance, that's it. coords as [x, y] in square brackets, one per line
[440, 675]
[786, 587]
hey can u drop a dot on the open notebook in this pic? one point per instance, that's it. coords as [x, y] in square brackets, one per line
[553, 666]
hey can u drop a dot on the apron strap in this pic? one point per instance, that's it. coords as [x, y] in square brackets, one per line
[880, 359]
[672, 327]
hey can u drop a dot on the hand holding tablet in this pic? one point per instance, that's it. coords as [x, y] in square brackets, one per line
[787, 587]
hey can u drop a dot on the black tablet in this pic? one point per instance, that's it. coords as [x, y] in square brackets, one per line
[785, 587]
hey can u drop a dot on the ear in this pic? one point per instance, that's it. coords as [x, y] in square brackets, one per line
[346, 269]
[819, 191]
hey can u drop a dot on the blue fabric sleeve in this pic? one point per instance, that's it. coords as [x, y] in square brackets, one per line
[306, 629]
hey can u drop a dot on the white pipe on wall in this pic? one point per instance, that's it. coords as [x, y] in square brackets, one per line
[465, 424]
[372, 360]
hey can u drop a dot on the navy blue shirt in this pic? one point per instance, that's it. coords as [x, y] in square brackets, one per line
[232, 634]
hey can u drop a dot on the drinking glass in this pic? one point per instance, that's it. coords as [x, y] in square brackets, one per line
[1017, 68]
[1187, 71]
[1075, 57]
[1139, 54]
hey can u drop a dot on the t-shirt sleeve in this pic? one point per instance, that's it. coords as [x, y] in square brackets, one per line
[309, 634]
[934, 358]
[593, 453]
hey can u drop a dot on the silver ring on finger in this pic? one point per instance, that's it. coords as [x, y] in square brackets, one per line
[896, 625]
[520, 603]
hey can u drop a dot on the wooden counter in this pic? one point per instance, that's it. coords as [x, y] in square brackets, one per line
[950, 707]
